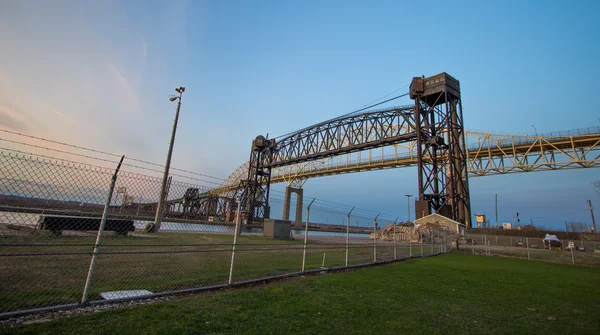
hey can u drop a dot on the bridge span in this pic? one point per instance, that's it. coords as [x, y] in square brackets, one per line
[488, 154]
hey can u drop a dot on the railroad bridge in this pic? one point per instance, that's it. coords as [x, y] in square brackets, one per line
[429, 135]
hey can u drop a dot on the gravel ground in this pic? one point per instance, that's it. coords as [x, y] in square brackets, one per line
[58, 314]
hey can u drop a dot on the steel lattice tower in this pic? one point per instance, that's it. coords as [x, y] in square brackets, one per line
[442, 160]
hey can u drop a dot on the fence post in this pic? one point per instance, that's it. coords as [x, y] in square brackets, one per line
[395, 251]
[433, 242]
[348, 235]
[422, 240]
[511, 241]
[527, 241]
[443, 247]
[88, 281]
[306, 235]
[572, 257]
[473, 245]
[235, 236]
[375, 238]
[445, 241]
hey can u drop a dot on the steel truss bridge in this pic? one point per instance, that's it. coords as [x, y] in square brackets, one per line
[429, 135]
[488, 154]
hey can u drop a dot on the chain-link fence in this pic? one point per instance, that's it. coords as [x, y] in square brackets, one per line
[73, 233]
[568, 251]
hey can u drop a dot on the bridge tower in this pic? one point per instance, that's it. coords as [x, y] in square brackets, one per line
[256, 187]
[442, 158]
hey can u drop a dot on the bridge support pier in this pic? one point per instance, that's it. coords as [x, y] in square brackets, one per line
[287, 201]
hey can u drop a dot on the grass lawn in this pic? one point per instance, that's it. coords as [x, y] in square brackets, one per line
[456, 293]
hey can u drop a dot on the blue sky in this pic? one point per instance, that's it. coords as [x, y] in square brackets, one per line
[99, 74]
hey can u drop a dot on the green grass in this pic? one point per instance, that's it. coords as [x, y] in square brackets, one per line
[448, 294]
[588, 258]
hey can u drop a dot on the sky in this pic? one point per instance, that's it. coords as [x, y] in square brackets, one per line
[99, 74]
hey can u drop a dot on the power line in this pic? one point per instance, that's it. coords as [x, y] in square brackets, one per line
[100, 159]
[341, 208]
[94, 150]
[345, 115]
[387, 95]
[553, 216]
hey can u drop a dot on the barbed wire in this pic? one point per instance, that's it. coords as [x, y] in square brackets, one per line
[101, 167]
[93, 150]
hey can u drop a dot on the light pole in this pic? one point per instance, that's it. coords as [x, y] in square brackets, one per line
[161, 200]
[534, 130]
[408, 203]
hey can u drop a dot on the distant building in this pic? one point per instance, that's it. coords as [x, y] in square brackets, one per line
[480, 219]
[442, 222]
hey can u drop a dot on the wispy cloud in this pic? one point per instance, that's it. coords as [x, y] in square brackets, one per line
[145, 49]
[125, 92]
[16, 119]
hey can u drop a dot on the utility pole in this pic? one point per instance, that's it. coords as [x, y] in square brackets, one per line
[592, 212]
[496, 210]
[408, 203]
[162, 196]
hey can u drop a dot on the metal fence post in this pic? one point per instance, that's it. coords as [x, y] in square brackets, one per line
[395, 249]
[511, 241]
[433, 242]
[235, 236]
[572, 257]
[527, 241]
[348, 235]
[375, 238]
[306, 235]
[88, 281]
[445, 241]
[422, 240]
[473, 246]
[446, 236]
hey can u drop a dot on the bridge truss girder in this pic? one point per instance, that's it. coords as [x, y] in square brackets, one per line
[342, 135]
[504, 154]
